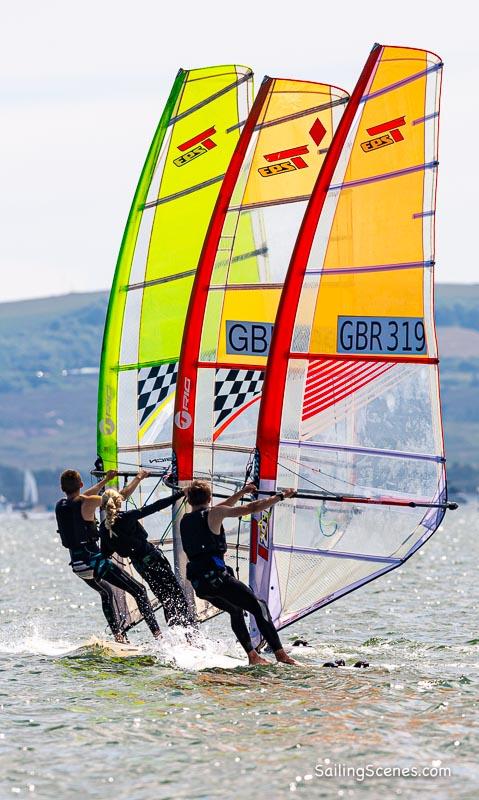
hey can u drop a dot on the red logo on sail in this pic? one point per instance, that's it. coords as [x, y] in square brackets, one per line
[385, 133]
[294, 155]
[196, 146]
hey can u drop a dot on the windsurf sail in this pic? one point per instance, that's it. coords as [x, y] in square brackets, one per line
[30, 489]
[239, 280]
[350, 413]
[169, 217]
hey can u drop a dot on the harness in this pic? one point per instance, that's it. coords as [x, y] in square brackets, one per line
[79, 536]
[204, 549]
[86, 568]
[74, 531]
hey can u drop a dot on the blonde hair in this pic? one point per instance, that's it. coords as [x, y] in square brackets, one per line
[111, 507]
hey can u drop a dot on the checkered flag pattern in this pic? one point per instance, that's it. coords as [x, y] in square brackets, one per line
[235, 388]
[154, 385]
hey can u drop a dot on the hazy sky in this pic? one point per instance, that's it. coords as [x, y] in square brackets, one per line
[82, 86]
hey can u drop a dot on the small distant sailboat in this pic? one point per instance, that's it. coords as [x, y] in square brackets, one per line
[5, 506]
[30, 497]
[30, 490]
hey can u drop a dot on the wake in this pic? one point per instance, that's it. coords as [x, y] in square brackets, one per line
[173, 649]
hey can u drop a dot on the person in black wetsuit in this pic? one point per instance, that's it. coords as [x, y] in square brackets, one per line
[204, 542]
[122, 532]
[79, 534]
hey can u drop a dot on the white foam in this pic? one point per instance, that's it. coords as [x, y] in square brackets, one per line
[38, 645]
[201, 653]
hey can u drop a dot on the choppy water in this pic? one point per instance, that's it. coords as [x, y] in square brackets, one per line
[85, 724]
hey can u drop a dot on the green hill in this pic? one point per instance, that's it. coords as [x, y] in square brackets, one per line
[48, 393]
[50, 348]
[39, 339]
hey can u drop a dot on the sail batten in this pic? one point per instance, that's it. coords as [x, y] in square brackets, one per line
[377, 267]
[190, 190]
[384, 177]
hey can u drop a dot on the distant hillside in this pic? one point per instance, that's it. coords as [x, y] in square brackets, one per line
[48, 418]
[458, 343]
[457, 317]
[457, 304]
[41, 338]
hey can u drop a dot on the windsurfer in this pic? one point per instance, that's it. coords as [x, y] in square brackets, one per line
[78, 531]
[204, 542]
[122, 532]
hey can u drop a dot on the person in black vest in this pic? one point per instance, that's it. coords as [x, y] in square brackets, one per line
[78, 531]
[204, 542]
[122, 532]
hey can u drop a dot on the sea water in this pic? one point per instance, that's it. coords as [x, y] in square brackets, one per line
[175, 722]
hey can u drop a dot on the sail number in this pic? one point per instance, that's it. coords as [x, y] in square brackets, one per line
[248, 338]
[394, 335]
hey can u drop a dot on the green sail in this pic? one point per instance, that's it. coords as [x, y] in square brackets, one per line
[164, 234]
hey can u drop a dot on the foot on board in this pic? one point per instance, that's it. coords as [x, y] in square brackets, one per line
[283, 658]
[254, 658]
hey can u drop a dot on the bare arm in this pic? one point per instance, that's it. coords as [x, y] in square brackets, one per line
[89, 506]
[112, 473]
[231, 501]
[128, 490]
[217, 514]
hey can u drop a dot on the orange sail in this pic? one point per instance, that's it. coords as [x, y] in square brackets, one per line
[350, 414]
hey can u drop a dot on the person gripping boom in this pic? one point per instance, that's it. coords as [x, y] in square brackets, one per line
[78, 531]
[122, 532]
[204, 542]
